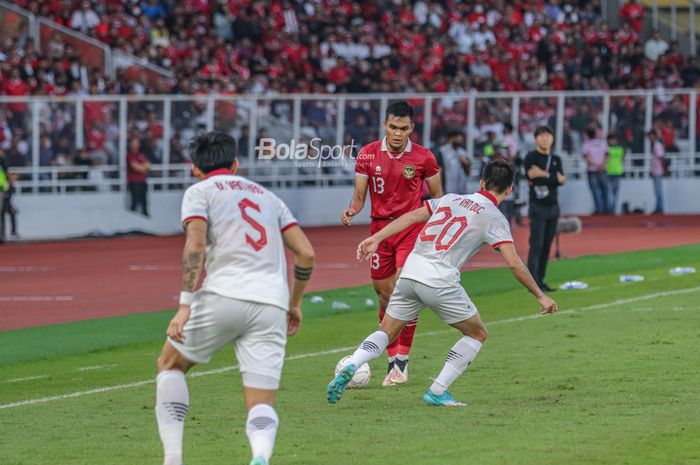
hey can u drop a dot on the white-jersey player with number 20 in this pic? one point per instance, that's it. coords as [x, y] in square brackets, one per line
[241, 230]
[457, 227]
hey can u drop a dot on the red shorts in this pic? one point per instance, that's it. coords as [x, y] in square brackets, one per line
[393, 252]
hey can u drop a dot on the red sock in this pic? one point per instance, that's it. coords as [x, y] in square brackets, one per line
[393, 348]
[406, 337]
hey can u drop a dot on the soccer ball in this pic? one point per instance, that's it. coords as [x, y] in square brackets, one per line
[362, 374]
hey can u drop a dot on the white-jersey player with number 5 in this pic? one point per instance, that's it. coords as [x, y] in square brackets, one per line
[240, 230]
[458, 226]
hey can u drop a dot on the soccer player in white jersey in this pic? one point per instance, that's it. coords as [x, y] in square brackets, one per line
[240, 229]
[458, 226]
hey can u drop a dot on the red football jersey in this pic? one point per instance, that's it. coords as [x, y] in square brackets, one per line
[395, 179]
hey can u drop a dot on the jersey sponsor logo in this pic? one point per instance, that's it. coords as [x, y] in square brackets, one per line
[409, 171]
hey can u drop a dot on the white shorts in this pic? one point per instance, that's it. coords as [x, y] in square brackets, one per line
[258, 333]
[450, 304]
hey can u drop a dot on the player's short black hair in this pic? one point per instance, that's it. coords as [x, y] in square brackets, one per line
[454, 133]
[544, 130]
[212, 151]
[498, 175]
[399, 108]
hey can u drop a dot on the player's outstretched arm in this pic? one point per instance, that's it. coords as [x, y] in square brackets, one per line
[367, 247]
[522, 274]
[304, 257]
[357, 202]
[192, 261]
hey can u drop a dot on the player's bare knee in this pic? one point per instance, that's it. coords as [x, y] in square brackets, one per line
[391, 333]
[479, 333]
[384, 295]
[170, 359]
[384, 298]
[164, 363]
[392, 328]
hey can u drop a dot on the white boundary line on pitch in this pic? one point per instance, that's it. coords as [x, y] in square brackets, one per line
[36, 298]
[154, 267]
[26, 269]
[198, 374]
[27, 378]
[97, 367]
[32, 378]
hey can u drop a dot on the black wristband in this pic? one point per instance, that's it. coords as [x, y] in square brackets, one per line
[302, 274]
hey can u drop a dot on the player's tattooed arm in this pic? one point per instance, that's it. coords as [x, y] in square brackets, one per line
[191, 269]
[192, 261]
[193, 254]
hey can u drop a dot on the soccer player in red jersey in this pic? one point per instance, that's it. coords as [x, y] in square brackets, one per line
[393, 169]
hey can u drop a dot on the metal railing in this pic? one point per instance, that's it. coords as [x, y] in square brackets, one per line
[277, 175]
[164, 125]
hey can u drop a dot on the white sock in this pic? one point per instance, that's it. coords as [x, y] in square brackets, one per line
[261, 429]
[371, 348]
[172, 403]
[458, 360]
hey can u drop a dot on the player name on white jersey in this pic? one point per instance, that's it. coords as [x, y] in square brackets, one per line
[469, 205]
[239, 186]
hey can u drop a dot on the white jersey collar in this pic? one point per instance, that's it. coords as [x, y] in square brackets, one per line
[385, 148]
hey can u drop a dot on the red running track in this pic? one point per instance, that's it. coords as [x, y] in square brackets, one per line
[58, 282]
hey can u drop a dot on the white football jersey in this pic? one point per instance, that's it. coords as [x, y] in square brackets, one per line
[458, 227]
[245, 253]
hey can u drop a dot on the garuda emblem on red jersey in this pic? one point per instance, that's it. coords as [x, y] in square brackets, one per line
[409, 171]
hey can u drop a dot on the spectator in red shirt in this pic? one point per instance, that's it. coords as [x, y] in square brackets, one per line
[136, 175]
[633, 12]
[668, 136]
[340, 73]
[15, 86]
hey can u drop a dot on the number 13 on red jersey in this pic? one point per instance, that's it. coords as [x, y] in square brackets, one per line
[378, 185]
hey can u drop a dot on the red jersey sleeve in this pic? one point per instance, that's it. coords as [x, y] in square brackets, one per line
[362, 163]
[431, 166]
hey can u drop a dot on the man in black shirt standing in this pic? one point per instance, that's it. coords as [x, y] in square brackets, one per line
[545, 175]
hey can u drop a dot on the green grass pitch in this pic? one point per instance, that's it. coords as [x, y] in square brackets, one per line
[611, 379]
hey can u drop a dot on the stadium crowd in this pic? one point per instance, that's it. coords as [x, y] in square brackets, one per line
[344, 46]
[329, 46]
